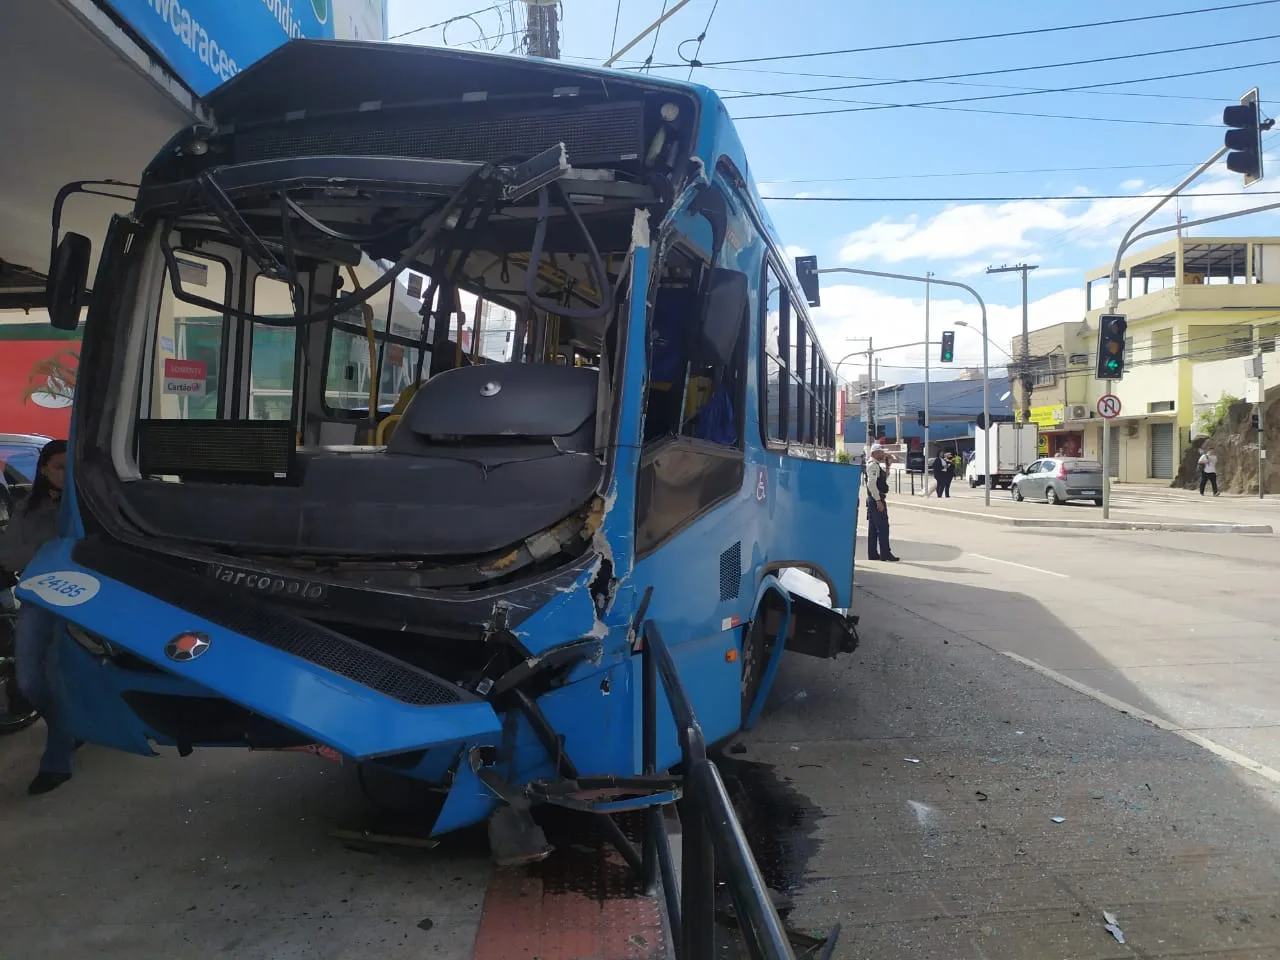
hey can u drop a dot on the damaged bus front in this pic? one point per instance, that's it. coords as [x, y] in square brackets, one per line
[370, 451]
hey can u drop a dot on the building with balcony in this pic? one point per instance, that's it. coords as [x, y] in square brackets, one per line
[1197, 307]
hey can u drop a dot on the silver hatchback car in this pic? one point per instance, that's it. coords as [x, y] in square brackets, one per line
[1060, 479]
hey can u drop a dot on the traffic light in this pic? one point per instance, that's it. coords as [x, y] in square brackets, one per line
[807, 274]
[948, 346]
[920, 417]
[1244, 139]
[1111, 328]
[1255, 421]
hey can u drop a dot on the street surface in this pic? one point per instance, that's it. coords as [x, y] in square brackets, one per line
[958, 855]
[1000, 659]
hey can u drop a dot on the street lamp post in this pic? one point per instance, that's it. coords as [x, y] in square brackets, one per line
[986, 380]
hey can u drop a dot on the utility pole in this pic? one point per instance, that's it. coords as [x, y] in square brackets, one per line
[924, 484]
[1024, 360]
[1254, 369]
[868, 412]
[542, 32]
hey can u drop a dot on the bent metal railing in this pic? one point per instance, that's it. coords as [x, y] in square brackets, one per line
[710, 830]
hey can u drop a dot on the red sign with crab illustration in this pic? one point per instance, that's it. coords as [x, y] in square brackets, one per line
[37, 382]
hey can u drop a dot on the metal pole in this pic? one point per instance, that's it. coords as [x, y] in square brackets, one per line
[925, 480]
[1024, 368]
[647, 30]
[1113, 301]
[986, 378]
[877, 396]
[986, 407]
[1106, 463]
[1026, 352]
[866, 408]
[1262, 452]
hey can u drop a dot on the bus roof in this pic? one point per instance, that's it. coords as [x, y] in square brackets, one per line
[324, 75]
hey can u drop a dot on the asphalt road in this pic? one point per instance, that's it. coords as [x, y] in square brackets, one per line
[958, 855]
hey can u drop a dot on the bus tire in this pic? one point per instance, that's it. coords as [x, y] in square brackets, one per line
[754, 659]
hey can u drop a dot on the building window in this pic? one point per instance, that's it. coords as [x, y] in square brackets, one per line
[1162, 345]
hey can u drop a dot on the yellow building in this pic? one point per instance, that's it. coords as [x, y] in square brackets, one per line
[1057, 366]
[1196, 307]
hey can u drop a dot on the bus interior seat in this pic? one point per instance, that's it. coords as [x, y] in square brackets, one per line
[468, 471]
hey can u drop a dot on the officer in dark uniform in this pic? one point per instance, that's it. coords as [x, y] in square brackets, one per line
[876, 480]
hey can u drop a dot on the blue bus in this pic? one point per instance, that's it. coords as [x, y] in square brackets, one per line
[410, 390]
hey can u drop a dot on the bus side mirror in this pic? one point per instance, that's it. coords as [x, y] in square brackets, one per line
[726, 306]
[68, 280]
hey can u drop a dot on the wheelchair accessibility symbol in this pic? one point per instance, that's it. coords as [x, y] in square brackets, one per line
[762, 485]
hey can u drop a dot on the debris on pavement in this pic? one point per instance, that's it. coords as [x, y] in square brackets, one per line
[1058, 819]
[980, 795]
[1112, 926]
[910, 759]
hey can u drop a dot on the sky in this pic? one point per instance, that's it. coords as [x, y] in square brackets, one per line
[1131, 139]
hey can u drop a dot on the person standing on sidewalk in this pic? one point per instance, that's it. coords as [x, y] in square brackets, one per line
[36, 643]
[1208, 464]
[941, 468]
[948, 473]
[876, 480]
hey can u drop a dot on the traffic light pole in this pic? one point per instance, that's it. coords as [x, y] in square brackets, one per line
[986, 379]
[924, 481]
[1113, 302]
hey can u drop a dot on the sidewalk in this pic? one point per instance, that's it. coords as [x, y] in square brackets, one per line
[1133, 507]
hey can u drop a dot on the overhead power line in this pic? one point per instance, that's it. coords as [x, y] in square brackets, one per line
[1025, 113]
[979, 173]
[872, 82]
[701, 38]
[985, 36]
[444, 23]
[1080, 197]
[873, 105]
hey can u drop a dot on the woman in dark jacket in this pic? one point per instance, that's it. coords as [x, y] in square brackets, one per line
[33, 525]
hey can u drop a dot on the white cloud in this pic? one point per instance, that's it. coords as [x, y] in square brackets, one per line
[1135, 184]
[856, 311]
[792, 251]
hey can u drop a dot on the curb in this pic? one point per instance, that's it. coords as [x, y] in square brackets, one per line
[1043, 523]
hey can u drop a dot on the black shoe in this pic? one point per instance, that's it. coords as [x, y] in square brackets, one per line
[873, 558]
[47, 780]
[892, 559]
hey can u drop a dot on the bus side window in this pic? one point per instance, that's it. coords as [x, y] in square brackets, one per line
[717, 365]
[774, 346]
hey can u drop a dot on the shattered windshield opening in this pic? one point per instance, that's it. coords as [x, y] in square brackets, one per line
[318, 359]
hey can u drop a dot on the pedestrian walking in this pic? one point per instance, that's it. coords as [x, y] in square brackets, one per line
[1208, 464]
[948, 473]
[876, 480]
[33, 524]
[941, 466]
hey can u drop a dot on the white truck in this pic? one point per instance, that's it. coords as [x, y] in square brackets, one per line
[1013, 446]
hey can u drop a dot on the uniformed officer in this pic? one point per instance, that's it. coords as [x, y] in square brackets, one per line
[876, 480]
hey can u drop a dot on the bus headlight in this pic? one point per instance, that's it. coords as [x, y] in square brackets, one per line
[93, 644]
